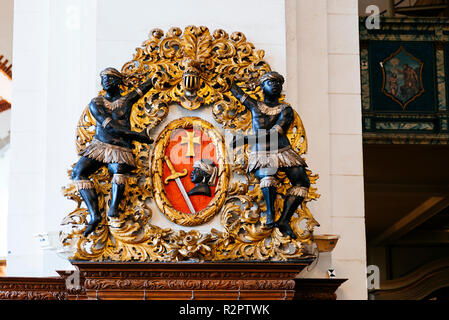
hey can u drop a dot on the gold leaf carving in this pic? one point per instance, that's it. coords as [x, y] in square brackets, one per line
[219, 59]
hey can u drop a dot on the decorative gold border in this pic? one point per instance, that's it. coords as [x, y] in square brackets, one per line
[420, 77]
[157, 164]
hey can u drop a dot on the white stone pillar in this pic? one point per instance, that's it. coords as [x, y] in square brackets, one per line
[329, 103]
[347, 190]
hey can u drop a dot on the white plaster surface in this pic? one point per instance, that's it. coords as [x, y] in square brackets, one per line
[344, 73]
[342, 7]
[346, 200]
[345, 113]
[116, 42]
[346, 154]
[343, 37]
[355, 288]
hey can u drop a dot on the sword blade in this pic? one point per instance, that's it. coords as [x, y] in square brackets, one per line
[184, 195]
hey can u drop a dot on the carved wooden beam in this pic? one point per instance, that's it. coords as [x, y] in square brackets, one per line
[173, 281]
[196, 281]
[21, 288]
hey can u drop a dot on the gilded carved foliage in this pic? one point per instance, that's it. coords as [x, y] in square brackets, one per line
[194, 284]
[216, 59]
[192, 68]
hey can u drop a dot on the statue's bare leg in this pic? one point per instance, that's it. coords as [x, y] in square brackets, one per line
[295, 196]
[268, 184]
[80, 176]
[119, 172]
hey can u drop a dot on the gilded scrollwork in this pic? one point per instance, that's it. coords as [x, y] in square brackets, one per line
[192, 68]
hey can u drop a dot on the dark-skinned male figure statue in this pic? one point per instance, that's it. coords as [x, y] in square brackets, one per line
[271, 150]
[204, 175]
[111, 145]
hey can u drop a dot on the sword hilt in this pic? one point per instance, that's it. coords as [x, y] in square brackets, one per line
[173, 174]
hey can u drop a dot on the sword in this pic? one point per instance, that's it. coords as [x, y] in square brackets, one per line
[175, 176]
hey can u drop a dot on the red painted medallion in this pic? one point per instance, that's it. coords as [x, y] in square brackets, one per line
[186, 146]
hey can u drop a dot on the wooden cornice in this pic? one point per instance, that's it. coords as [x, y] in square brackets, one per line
[4, 105]
[27, 288]
[165, 281]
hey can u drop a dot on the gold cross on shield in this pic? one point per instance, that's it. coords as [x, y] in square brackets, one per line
[190, 140]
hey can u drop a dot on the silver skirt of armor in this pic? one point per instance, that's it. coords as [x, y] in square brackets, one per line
[108, 153]
[282, 158]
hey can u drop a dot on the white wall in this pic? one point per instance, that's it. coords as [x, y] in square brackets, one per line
[116, 43]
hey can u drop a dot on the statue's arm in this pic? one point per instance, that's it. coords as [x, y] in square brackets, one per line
[249, 103]
[112, 127]
[98, 112]
[140, 91]
[244, 98]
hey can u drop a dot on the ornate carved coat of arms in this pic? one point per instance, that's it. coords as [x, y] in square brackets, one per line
[185, 144]
[187, 174]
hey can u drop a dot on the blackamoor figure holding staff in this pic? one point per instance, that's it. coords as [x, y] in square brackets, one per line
[111, 145]
[271, 150]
